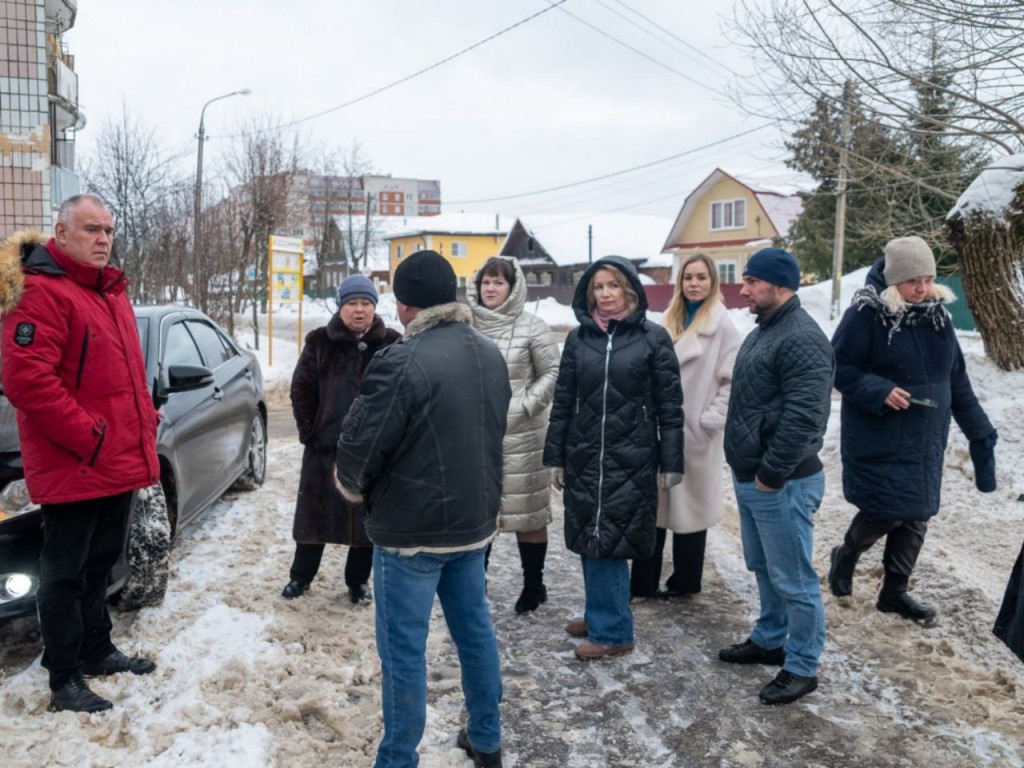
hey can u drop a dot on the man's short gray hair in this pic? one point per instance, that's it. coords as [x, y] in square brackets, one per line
[69, 205]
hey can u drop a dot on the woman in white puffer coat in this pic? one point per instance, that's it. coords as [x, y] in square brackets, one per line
[497, 297]
[706, 342]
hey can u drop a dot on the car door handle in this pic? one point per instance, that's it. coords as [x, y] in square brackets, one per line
[248, 373]
[218, 393]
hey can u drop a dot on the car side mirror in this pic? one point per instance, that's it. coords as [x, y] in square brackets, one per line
[185, 378]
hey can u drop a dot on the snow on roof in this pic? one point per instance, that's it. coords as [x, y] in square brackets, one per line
[782, 209]
[455, 224]
[993, 190]
[566, 239]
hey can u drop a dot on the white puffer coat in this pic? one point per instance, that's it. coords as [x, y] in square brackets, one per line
[706, 360]
[532, 355]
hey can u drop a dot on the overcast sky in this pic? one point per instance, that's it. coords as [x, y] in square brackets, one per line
[582, 90]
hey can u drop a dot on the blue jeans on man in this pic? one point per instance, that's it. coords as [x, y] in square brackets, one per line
[404, 589]
[608, 615]
[778, 540]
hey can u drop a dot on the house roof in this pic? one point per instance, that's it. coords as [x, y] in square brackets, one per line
[781, 208]
[566, 238]
[453, 224]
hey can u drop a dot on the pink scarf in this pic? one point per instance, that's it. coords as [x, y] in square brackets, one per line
[603, 318]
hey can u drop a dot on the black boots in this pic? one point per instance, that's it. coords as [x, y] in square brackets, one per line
[75, 696]
[840, 573]
[480, 759]
[894, 599]
[534, 592]
[117, 662]
[293, 589]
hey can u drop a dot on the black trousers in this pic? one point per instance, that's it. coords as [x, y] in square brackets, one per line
[307, 558]
[687, 565]
[903, 541]
[1009, 626]
[82, 542]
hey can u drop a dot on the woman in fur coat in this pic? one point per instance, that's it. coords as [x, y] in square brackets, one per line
[325, 382]
[706, 342]
[497, 296]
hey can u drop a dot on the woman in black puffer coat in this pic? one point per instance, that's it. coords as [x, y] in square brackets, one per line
[325, 382]
[902, 377]
[615, 432]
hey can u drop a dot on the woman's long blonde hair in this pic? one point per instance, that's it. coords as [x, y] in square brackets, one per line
[675, 315]
[632, 300]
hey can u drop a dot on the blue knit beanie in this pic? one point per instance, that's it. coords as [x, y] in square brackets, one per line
[775, 266]
[356, 287]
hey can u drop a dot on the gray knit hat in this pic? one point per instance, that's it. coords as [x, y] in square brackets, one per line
[356, 287]
[907, 258]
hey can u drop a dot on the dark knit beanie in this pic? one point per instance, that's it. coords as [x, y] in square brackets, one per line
[356, 287]
[425, 279]
[775, 266]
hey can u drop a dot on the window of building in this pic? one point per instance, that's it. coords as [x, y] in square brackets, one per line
[459, 249]
[462, 282]
[726, 271]
[729, 214]
[400, 251]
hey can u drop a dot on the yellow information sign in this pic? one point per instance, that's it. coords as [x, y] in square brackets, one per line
[285, 267]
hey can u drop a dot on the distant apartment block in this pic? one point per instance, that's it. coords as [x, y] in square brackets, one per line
[326, 196]
[39, 113]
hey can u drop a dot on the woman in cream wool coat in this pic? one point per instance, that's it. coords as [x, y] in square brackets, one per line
[497, 296]
[706, 342]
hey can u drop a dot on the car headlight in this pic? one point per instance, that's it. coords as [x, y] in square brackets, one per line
[14, 586]
[14, 500]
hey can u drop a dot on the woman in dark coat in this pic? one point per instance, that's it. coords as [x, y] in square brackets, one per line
[325, 382]
[902, 376]
[615, 433]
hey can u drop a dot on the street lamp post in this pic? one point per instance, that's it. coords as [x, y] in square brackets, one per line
[200, 294]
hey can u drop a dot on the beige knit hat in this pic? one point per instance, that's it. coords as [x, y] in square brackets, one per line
[907, 258]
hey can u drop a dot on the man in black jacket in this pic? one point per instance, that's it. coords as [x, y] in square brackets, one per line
[423, 445]
[778, 411]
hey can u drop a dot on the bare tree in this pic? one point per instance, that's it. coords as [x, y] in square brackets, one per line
[132, 175]
[804, 49]
[260, 169]
[360, 222]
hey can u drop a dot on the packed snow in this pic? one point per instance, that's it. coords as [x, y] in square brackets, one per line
[246, 678]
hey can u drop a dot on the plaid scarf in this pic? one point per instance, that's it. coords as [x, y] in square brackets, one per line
[927, 313]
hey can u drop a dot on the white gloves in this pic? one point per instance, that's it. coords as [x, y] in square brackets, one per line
[667, 479]
[558, 478]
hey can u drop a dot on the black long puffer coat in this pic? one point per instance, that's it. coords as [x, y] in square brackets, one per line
[616, 421]
[324, 385]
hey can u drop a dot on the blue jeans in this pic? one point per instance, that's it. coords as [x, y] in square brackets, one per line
[404, 589]
[778, 540]
[608, 616]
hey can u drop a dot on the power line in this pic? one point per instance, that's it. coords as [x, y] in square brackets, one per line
[553, 4]
[613, 174]
[674, 36]
[637, 51]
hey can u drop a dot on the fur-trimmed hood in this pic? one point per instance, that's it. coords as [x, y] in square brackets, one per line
[453, 312]
[13, 251]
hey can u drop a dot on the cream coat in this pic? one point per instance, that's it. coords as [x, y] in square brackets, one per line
[705, 366]
[532, 355]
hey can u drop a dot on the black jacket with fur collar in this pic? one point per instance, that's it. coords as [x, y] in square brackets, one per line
[423, 441]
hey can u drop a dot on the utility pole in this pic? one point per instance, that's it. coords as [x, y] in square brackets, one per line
[590, 243]
[844, 170]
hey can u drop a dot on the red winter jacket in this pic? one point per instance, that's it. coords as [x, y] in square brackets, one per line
[73, 369]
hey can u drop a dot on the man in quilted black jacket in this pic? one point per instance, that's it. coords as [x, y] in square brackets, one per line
[778, 411]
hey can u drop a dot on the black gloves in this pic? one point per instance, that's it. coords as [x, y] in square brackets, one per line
[983, 456]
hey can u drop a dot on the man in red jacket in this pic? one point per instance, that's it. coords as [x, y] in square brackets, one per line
[73, 369]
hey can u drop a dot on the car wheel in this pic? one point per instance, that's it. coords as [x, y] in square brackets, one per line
[149, 552]
[256, 459]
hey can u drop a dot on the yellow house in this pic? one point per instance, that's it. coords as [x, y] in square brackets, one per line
[466, 240]
[729, 221]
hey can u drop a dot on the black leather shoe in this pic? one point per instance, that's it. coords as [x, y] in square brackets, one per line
[668, 593]
[531, 598]
[117, 662]
[749, 652]
[480, 759]
[294, 589]
[358, 594]
[907, 607]
[840, 573]
[75, 696]
[787, 688]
